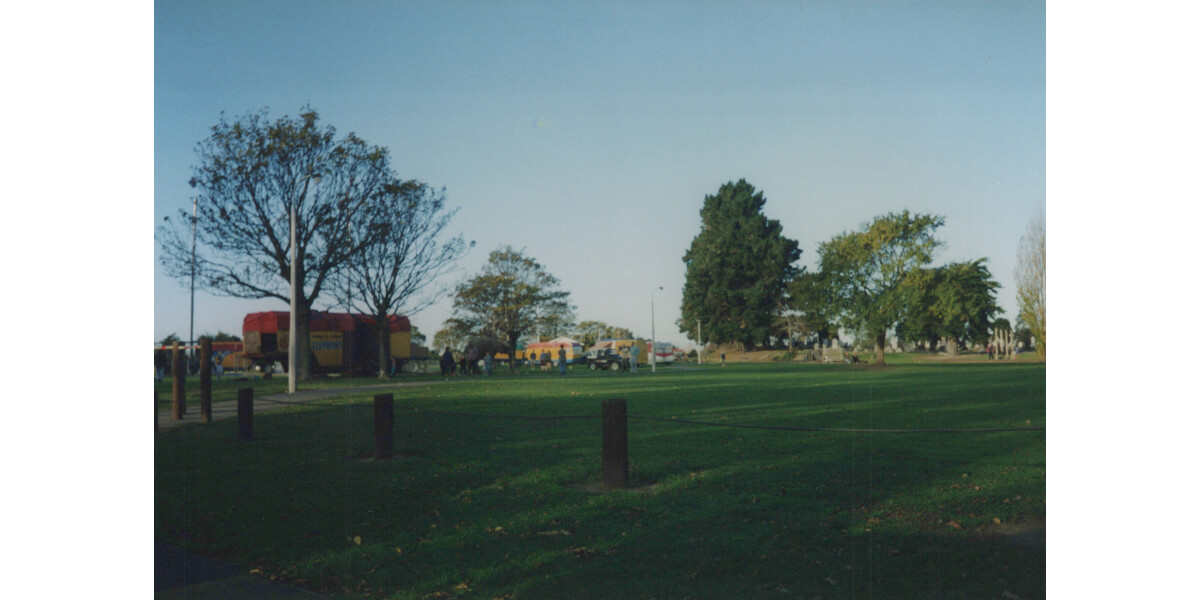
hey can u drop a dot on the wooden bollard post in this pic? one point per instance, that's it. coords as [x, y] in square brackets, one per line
[245, 414]
[614, 471]
[178, 378]
[206, 380]
[347, 354]
[384, 426]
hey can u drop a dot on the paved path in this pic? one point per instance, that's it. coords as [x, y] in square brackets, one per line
[181, 576]
[228, 409]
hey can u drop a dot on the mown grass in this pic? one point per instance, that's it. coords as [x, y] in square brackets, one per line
[497, 507]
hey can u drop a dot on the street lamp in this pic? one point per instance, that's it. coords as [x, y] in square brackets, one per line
[293, 345]
[653, 341]
[192, 316]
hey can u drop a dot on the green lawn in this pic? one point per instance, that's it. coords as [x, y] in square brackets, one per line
[487, 507]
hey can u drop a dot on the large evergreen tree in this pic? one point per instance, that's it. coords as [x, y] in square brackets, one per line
[737, 267]
[809, 295]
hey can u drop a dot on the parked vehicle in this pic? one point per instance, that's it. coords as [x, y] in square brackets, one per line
[605, 358]
[266, 341]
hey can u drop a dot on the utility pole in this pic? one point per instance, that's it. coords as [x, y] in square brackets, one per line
[292, 345]
[653, 341]
[192, 317]
[699, 344]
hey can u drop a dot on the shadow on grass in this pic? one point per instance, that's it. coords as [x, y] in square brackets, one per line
[486, 507]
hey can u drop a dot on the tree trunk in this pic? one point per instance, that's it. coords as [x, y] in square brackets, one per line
[384, 355]
[951, 347]
[512, 353]
[880, 340]
[304, 366]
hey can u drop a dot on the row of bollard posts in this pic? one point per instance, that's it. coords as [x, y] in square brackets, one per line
[179, 383]
[614, 470]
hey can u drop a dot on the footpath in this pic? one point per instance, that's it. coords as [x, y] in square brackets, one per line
[182, 576]
[269, 402]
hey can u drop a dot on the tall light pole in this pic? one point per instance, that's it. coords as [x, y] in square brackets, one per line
[653, 341]
[192, 317]
[292, 306]
[293, 345]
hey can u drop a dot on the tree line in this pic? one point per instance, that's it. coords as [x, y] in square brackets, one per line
[742, 285]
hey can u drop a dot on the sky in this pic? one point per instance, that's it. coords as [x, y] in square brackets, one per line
[588, 134]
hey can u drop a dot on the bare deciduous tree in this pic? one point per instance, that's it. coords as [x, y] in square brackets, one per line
[398, 272]
[252, 174]
[1031, 281]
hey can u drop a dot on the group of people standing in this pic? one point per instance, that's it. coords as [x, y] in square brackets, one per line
[468, 362]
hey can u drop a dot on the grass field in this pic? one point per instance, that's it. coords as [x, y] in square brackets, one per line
[499, 506]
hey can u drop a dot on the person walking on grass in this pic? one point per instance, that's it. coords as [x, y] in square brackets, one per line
[722, 359]
[562, 359]
[633, 355]
[447, 363]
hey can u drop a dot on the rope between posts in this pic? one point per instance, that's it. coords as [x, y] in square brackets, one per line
[702, 423]
[526, 417]
[837, 429]
[734, 425]
[287, 402]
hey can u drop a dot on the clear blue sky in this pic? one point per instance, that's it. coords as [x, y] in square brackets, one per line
[589, 133]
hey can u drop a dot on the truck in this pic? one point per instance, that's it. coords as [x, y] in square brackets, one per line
[665, 353]
[601, 359]
[345, 343]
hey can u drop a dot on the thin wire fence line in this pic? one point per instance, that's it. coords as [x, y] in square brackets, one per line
[493, 416]
[690, 422]
[734, 425]
[837, 429]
